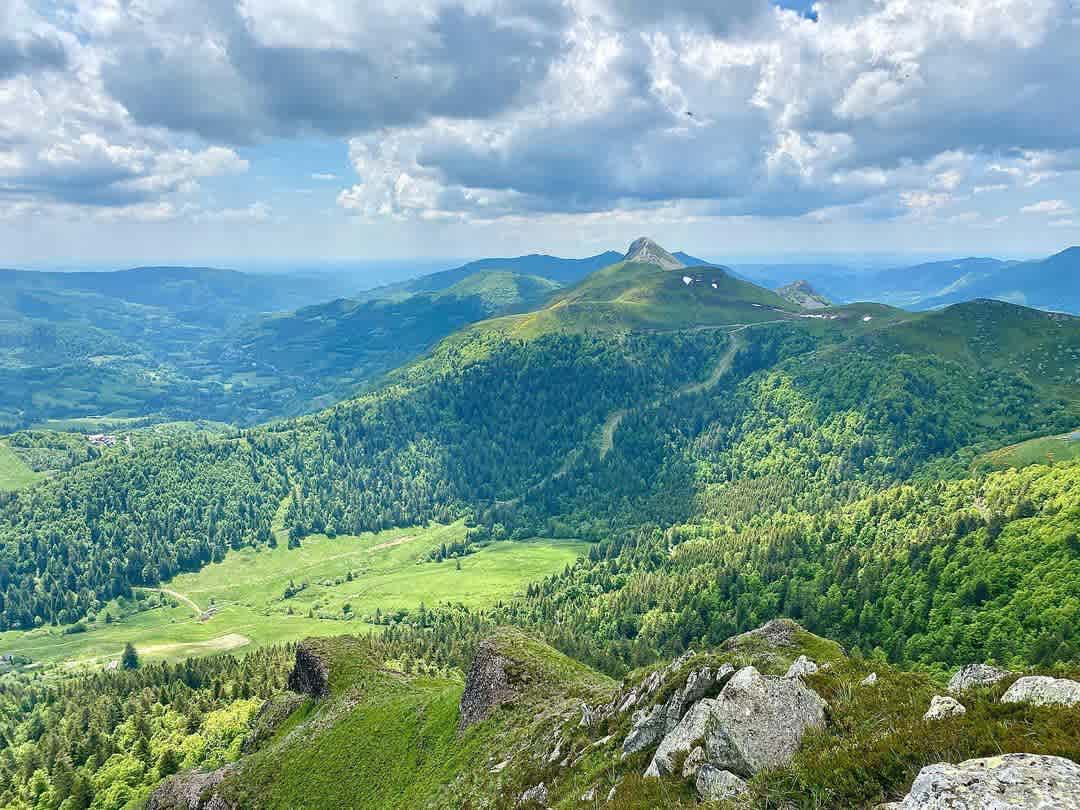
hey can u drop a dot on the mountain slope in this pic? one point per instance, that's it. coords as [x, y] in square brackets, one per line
[802, 294]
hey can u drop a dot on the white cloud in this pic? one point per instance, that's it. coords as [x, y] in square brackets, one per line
[1054, 207]
[323, 176]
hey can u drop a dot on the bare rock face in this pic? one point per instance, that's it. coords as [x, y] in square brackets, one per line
[191, 790]
[716, 785]
[645, 250]
[801, 666]
[976, 675]
[1009, 782]
[486, 687]
[942, 707]
[1039, 690]
[758, 721]
[310, 674]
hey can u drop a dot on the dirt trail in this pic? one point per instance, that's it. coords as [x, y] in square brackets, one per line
[391, 543]
[187, 600]
[723, 366]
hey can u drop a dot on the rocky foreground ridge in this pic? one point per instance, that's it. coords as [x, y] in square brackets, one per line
[750, 724]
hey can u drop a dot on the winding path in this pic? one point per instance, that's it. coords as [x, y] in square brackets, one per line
[187, 600]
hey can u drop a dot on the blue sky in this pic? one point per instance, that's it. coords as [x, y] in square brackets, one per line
[273, 131]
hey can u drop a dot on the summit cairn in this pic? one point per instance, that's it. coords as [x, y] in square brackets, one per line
[646, 251]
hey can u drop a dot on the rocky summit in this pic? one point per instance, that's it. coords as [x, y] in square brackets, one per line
[646, 251]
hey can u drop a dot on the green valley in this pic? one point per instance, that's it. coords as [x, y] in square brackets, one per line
[324, 586]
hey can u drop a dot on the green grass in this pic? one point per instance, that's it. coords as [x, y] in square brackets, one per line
[14, 473]
[1044, 450]
[248, 587]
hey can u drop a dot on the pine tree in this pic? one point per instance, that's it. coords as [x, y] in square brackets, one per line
[130, 658]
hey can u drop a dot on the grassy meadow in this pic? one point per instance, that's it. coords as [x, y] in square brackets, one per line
[1044, 450]
[14, 473]
[247, 591]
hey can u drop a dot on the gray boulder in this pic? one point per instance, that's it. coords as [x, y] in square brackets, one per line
[801, 666]
[942, 707]
[688, 733]
[758, 721]
[1039, 690]
[1009, 782]
[974, 675]
[715, 785]
[647, 726]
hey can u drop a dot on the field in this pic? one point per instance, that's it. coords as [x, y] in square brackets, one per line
[14, 474]
[1045, 450]
[247, 591]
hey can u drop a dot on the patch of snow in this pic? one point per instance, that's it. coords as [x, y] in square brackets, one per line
[715, 286]
[867, 318]
[687, 280]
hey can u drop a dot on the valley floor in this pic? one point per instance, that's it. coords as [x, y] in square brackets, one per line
[240, 602]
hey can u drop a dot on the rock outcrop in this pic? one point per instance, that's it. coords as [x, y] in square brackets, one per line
[536, 796]
[776, 633]
[1040, 690]
[758, 721]
[1009, 782]
[715, 785]
[487, 685]
[976, 675]
[942, 707]
[310, 674]
[191, 790]
[688, 733]
[645, 250]
[800, 667]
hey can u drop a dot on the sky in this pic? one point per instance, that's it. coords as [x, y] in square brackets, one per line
[190, 131]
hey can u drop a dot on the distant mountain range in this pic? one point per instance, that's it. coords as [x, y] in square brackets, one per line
[191, 342]
[1051, 284]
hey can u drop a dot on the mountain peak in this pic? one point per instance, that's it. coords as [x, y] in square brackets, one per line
[646, 251]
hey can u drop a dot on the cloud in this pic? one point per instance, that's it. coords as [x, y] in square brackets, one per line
[31, 53]
[240, 71]
[481, 110]
[1052, 207]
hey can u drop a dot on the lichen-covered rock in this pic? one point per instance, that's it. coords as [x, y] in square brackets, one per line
[688, 733]
[716, 785]
[190, 790]
[777, 633]
[535, 796]
[975, 675]
[647, 726]
[942, 707]
[486, 686]
[310, 674]
[1039, 690]
[758, 721]
[869, 680]
[693, 762]
[801, 666]
[1009, 782]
